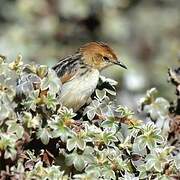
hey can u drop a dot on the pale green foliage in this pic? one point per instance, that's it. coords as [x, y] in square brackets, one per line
[7, 144]
[42, 173]
[124, 112]
[158, 158]
[150, 137]
[106, 142]
[157, 107]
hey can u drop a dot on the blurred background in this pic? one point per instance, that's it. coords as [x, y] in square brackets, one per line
[144, 33]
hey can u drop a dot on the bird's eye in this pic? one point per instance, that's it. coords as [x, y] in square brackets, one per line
[106, 58]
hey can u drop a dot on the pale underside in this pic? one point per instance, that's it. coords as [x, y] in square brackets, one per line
[76, 91]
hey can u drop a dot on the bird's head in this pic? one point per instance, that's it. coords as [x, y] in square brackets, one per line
[99, 55]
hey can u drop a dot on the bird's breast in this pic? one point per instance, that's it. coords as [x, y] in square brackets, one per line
[75, 93]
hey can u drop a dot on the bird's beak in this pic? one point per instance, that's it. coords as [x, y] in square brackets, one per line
[119, 63]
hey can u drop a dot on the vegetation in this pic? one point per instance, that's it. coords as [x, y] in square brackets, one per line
[41, 139]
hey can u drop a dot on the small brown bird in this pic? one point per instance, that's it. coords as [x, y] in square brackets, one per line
[79, 73]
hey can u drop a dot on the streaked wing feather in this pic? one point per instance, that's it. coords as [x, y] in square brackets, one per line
[68, 67]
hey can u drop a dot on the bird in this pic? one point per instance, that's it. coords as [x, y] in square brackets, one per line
[79, 73]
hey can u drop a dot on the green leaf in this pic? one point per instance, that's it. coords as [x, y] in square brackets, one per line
[69, 158]
[10, 153]
[51, 101]
[81, 144]
[100, 94]
[111, 92]
[42, 71]
[51, 82]
[124, 111]
[79, 163]
[108, 173]
[70, 144]
[91, 114]
[5, 111]
[44, 135]
[15, 128]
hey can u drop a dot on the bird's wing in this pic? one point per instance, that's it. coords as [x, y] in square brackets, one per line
[68, 67]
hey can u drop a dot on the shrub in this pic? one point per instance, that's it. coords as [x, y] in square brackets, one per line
[41, 139]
